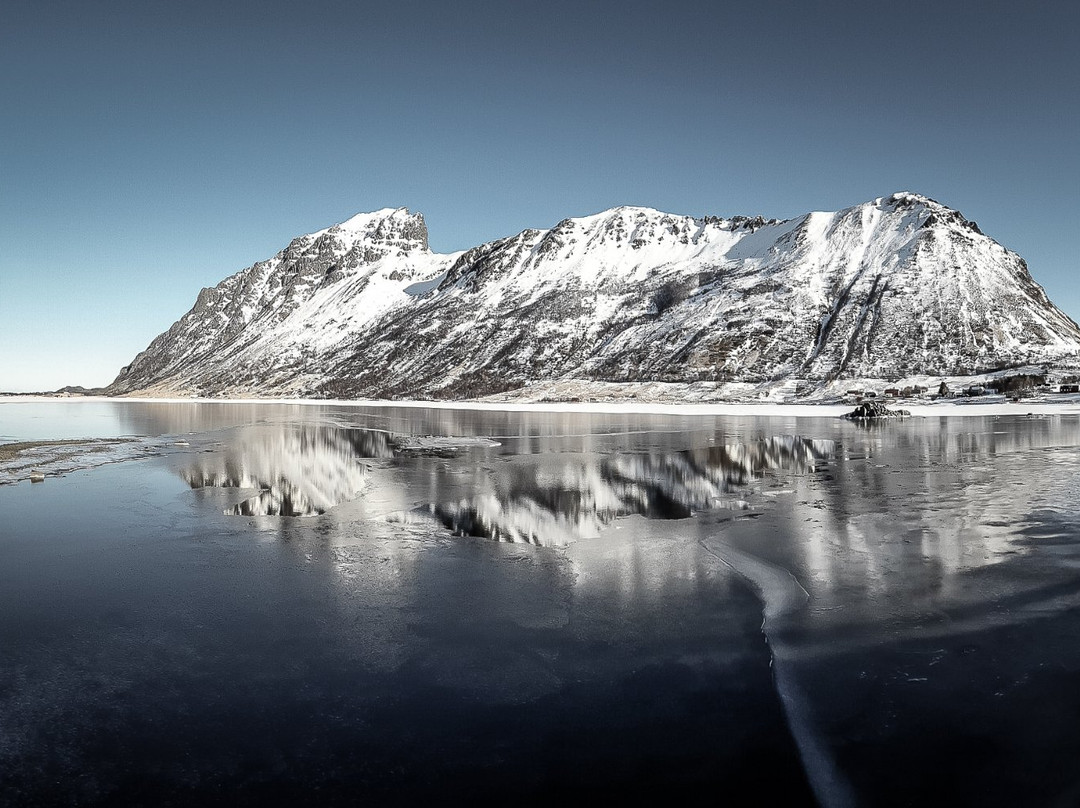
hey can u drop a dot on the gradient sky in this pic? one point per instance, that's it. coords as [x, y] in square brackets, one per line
[149, 149]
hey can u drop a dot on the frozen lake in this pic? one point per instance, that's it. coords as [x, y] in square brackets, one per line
[243, 602]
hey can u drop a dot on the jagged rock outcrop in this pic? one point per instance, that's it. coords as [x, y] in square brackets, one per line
[874, 411]
[898, 286]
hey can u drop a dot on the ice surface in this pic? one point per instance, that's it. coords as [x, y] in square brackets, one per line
[919, 585]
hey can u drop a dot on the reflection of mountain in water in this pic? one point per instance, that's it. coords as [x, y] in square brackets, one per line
[301, 471]
[950, 497]
[576, 499]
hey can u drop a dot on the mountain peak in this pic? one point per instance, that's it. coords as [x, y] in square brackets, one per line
[631, 210]
[364, 220]
[906, 200]
[910, 198]
[387, 225]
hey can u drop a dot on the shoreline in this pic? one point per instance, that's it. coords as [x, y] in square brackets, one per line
[953, 408]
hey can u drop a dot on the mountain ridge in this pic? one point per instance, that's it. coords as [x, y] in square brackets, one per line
[897, 286]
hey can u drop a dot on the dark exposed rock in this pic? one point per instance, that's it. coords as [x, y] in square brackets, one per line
[872, 410]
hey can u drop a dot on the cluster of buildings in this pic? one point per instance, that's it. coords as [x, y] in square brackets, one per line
[1070, 384]
[916, 391]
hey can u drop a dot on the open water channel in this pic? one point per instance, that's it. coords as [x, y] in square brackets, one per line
[389, 605]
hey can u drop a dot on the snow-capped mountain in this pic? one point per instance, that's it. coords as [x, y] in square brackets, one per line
[891, 288]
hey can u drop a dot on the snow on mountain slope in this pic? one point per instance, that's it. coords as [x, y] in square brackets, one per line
[296, 306]
[893, 287]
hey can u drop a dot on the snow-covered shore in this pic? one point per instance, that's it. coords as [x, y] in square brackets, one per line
[974, 407]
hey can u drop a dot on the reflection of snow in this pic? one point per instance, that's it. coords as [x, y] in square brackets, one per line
[577, 499]
[301, 471]
[928, 522]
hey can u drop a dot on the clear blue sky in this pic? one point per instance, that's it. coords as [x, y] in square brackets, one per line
[148, 149]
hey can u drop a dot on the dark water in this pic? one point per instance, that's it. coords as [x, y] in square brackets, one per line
[310, 604]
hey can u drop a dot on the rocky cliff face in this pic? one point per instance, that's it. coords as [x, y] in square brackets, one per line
[894, 287]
